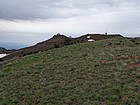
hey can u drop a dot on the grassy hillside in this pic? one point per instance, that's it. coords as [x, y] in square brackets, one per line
[105, 72]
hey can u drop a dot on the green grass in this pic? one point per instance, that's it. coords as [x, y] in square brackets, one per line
[95, 73]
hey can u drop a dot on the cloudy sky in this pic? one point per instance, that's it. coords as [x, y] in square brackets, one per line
[30, 21]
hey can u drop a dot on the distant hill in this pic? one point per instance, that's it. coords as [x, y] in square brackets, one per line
[105, 72]
[12, 45]
[58, 41]
[5, 51]
[2, 48]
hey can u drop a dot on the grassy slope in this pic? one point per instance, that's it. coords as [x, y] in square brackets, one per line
[88, 73]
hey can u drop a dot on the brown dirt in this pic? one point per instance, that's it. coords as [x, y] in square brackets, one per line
[122, 58]
[137, 81]
[127, 58]
[134, 65]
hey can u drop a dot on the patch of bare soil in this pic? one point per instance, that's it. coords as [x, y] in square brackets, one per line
[137, 81]
[117, 59]
[127, 58]
[134, 65]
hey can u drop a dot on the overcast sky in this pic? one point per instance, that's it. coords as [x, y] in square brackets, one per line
[30, 21]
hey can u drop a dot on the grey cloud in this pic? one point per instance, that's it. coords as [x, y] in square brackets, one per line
[29, 9]
[21, 20]
[47, 9]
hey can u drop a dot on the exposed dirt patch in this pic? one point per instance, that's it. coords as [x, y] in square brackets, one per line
[127, 58]
[134, 65]
[137, 81]
[118, 59]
